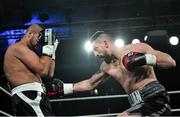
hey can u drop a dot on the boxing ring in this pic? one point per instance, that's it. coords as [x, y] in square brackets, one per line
[91, 98]
[107, 97]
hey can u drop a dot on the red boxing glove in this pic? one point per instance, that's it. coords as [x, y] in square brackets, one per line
[135, 59]
[60, 88]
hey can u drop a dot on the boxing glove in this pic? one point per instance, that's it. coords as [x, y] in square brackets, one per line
[46, 37]
[48, 50]
[48, 42]
[135, 59]
[59, 88]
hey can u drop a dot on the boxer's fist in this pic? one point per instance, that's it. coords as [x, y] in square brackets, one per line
[50, 50]
[60, 88]
[135, 59]
[47, 50]
[48, 42]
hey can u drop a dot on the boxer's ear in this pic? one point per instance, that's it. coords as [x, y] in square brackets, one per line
[29, 35]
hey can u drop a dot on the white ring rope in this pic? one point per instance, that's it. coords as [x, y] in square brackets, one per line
[106, 97]
[175, 110]
[100, 97]
[5, 114]
[113, 114]
[100, 115]
[89, 98]
[173, 92]
[5, 91]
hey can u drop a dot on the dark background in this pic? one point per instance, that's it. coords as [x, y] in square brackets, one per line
[74, 21]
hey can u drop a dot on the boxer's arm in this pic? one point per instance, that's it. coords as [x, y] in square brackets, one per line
[52, 67]
[37, 65]
[163, 60]
[143, 54]
[51, 70]
[91, 83]
[60, 88]
[45, 62]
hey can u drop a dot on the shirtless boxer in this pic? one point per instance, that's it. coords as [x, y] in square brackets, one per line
[131, 66]
[24, 70]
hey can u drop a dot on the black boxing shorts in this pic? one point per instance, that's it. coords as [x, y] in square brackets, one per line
[150, 100]
[30, 100]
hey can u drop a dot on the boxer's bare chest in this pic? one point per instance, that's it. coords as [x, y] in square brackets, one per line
[127, 79]
[117, 70]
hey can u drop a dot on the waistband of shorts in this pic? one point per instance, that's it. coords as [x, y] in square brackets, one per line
[149, 90]
[35, 86]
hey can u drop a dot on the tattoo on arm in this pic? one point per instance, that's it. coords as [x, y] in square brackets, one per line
[99, 78]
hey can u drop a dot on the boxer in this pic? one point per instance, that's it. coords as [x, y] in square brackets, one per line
[131, 66]
[24, 69]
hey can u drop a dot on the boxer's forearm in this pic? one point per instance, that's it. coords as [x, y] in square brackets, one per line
[82, 86]
[163, 60]
[85, 85]
[91, 83]
[52, 69]
[45, 62]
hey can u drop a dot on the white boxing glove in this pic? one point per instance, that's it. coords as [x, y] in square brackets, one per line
[48, 50]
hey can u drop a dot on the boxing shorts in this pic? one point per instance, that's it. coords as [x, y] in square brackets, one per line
[31, 100]
[150, 100]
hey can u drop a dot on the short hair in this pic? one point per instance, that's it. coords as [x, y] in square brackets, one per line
[98, 34]
[35, 28]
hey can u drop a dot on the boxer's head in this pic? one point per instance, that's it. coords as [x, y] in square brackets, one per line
[102, 44]
[33, 34]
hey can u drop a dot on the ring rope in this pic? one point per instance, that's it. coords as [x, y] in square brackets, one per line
[6, 114]
[87, 98]
[100, 97]
[5, 91]
[173, 92]
[114, 114]
[175, 110]
[98, 115]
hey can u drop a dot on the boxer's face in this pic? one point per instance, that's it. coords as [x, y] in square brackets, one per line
[33, 39]
[100, 48]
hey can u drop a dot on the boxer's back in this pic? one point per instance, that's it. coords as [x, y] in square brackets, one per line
[15, 70]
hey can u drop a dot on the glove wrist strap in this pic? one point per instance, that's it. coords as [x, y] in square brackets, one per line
[68, 88]
[150, 59]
